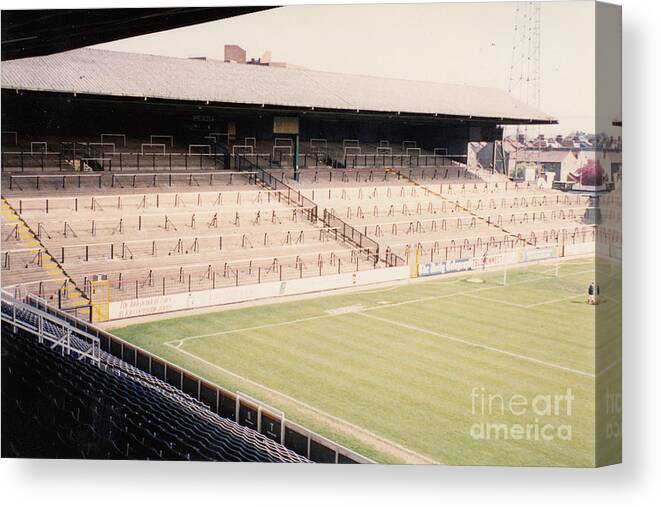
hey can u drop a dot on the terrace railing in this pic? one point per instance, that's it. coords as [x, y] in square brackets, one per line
[351, 235]
[50, 325]
[74, 159]
[342, 229]
[398, 160]
[354, 237]
[289, 194]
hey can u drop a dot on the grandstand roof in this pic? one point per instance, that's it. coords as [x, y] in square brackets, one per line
[100, 72]
[35, 32]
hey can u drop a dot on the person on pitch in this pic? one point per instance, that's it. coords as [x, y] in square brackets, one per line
[593, 294]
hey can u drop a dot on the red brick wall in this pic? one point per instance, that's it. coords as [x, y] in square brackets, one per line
[235, 53]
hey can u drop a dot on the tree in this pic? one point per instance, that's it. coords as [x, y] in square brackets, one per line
[591, 174]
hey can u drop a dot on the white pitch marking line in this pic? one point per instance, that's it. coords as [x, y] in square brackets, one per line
[498, 301]
[181, 341]
[253, 328]
[551, 301]
[462, 293]
[532, 305]
[305, 405]
[428, 283]
[474, 344]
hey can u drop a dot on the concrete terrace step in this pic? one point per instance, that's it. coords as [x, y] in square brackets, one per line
[29, 239]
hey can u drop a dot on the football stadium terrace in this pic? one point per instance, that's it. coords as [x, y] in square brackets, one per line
[130, 190]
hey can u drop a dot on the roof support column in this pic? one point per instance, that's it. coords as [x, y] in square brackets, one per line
[296, 157]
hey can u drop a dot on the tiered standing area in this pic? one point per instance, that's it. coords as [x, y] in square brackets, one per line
[156, 218]
[426, 205]
[164, 229]
[448, 212]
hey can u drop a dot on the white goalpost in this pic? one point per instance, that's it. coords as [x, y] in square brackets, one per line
[553, 271]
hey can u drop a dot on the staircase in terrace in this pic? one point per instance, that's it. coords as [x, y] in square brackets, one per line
[70, 295]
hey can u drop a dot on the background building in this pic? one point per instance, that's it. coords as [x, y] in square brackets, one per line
[235, 54]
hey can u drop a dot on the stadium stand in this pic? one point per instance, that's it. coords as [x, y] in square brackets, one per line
[197, 207]
[57, 406]
[260, 235]
[225, 228]
[204, 195]
[449, 214]
[71, 390]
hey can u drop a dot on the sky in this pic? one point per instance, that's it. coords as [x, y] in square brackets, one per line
[464, 43]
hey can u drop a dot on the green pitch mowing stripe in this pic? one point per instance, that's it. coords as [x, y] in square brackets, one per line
[443, 368]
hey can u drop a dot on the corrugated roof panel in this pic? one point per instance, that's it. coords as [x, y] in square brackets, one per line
[101, 72]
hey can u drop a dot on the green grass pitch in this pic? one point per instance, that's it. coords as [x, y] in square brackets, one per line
[440, 369]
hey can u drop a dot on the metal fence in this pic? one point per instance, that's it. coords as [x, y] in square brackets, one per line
[42, 161]
[126, 282]
[235, 405]
[50, 326]
[102, 180]
[466, 248]
[400, 160]
[160, 281]
[352, 236]
[291, 195]
[280, 160]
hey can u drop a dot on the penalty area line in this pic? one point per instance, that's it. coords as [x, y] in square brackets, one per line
[551, 301]
[480, 345]
[252, 328]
